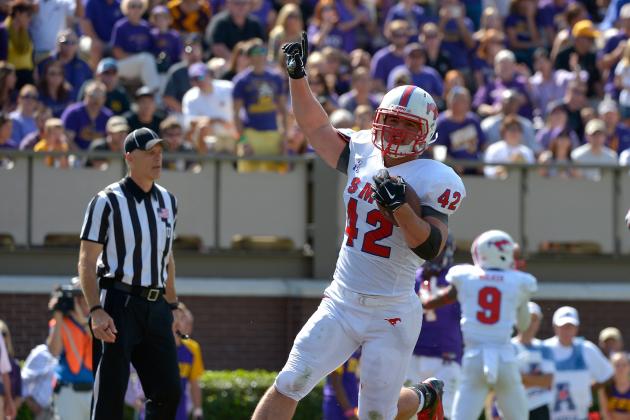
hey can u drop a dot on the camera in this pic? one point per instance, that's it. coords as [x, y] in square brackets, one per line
[65, 298]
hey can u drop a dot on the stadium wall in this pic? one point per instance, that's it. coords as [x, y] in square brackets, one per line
[251, 324]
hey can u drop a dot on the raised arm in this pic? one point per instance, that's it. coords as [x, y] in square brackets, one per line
[309, 114]
[444, 297]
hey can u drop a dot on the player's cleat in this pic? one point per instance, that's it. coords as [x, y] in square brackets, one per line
[432, 390]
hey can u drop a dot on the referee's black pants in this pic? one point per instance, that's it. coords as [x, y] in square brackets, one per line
[145, 338]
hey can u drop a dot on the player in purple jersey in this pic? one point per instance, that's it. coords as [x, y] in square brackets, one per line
[341, 391]
[438, 351]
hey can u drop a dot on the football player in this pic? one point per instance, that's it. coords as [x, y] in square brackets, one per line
[493, 298]
[371, 300]
[438, 351]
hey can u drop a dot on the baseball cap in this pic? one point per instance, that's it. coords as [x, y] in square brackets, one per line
[594, 126]
[534, 309]
[117, 124]
[159, 10]
[106, 64]
[584, 28]
[566, 315]
[413, 47]
[197, 70]
[608, 333]
[555, 105]
[141, 139]
[624, 12]
[607, 105]
[67, 36]
[505, 55]
[145, 91]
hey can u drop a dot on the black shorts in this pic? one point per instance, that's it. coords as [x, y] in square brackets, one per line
[540, 413]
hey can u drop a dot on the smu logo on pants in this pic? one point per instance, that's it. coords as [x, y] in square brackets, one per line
[393, 321]
[563, 397]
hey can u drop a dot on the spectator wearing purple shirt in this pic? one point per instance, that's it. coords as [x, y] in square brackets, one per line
[457, 30]
[556, 122]
[391, 56]
[100, 18]
[360, 92]
[263, 10]
[23, 117]
[547, 85]
[356, 25]
[609, 57]
[491, 42]
[617, 134]
[341, 391]
[421, 75]
[438, 351]
[412, 13]
[259, 99]
[551, 15]
[131, 43]
[487, 100]
[459, 129]
[85, 121]
[167, 44]
[323, 30]
[521, 27]
[75, 70]
[54, 91]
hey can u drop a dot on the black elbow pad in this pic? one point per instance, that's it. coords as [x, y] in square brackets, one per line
[430, 248]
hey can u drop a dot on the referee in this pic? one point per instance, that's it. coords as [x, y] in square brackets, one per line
[126, 252]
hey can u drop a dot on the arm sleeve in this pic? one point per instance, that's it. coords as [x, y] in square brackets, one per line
[599, 367]
[445, 194]
[96, 220]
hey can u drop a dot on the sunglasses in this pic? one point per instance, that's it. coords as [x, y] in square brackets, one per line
[32, 97]
[400, 34]
[69, 42]
[136, 5]
[54, 73]
[431, 35]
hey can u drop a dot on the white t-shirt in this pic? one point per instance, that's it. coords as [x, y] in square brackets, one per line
[374, 258]
[624, 158]
[576, 368]
[501, 152]
[216, 105]
[48, 21]
[583, 154]
[489, 300]
[5, 364]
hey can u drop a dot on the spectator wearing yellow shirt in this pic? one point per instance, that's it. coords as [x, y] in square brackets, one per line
[190, 367]
[54, 140]
[16, 45]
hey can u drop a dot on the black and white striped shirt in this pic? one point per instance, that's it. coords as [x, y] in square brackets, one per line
[136, 230]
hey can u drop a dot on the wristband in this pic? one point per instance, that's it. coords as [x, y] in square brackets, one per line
[174, 305]
[95, 307]
[350, 412]
[198, 412]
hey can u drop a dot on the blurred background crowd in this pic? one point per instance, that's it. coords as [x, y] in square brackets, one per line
[516, 80]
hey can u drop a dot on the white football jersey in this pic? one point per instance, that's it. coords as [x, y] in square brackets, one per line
[489, 300]
[374, 258]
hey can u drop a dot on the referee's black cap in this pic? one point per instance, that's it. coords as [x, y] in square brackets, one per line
[141, 139]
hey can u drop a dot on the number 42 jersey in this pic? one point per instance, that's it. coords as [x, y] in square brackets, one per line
[489, 300]
[374, 258]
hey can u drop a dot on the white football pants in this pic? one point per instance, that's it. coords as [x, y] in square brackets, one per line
[474, 387]
[423, 367]
[387, 330]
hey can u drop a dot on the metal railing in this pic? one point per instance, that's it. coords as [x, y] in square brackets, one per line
[304, 205]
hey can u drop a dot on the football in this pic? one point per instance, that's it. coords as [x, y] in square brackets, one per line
[411, 198]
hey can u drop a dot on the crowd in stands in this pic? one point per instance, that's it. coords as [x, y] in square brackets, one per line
[516, 80]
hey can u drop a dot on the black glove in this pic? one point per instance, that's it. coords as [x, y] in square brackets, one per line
[387, 191]
[296, 55]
